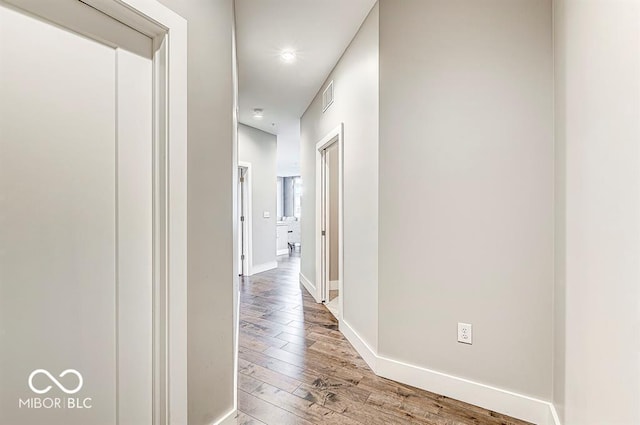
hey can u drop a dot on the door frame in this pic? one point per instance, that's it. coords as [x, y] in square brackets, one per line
[248, 235]
[168, 31]
[334, 136]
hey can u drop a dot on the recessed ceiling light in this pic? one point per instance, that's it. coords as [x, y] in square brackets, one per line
[258, 113]
[288, 56]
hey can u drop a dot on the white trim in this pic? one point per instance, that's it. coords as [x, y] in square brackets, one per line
[553, 418]
[248, 237]
[334, 136]
[309, 286]
[236, 280]
[284, 251]
[361, 346]
[492, 398]
[264, 267]
[332, 306]
[334, 284]
[168, 31]
[317, 293]
[228, 419]
[509, 403]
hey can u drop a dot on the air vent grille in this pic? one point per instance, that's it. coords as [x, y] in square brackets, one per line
[327, 97]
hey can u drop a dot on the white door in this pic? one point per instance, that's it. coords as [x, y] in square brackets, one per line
[324, 208]
[242, 171]
[75, 219]
[332, 207]
[329, 213]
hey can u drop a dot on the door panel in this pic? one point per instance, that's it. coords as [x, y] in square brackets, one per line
[324, 291]
[75, 226]
[241, 222]
[332, 212]
[135, 292]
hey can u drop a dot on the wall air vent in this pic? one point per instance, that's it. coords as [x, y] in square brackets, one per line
[327, 97]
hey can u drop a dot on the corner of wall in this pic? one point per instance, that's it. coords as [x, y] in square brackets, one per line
[228, 419]
[211, 133]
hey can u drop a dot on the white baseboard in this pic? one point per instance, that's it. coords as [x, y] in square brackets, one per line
[228, 419]
[309, 286]
[502, 401]
[284, 251]
[255, 269]
[492, 398]
[553, 419]
[334, 285]
[367, 353]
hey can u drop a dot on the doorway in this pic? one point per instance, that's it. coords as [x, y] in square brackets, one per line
[329, 259]
[331, 227]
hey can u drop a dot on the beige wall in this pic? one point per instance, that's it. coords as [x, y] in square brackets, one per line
[259, 148]
[356, 105]
[597, 367]
[211, 168]
[466, 188]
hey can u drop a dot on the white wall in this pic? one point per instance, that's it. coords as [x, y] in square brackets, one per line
[597, 368]
[211, 183]
[288, 198]
[466, 189]
[356, 105]
[259, 148]
[288, 162]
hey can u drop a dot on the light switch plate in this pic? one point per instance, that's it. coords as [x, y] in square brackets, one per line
[266, 214]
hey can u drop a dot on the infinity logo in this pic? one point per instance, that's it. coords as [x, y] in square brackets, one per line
[55, 381]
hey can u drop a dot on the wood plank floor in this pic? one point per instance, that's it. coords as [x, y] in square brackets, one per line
[295, 367]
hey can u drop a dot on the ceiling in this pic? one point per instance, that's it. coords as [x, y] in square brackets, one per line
[318, 31]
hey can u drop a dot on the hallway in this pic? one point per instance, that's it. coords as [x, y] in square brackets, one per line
[296, 368]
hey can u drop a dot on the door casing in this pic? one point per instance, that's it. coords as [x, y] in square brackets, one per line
[169, 34]
[321, 295]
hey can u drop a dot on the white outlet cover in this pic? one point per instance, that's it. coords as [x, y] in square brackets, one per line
[465, 333]
[266, 214]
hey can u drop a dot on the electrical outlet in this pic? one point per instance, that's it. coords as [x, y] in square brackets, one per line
[465, 333]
